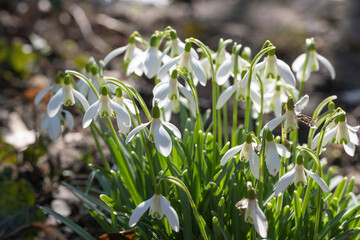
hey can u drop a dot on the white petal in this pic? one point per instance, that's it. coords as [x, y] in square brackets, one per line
[55, 103]
[273, 161]
[121, 113]
[285, 72]
[41, 94]
[353, 129]
[54, 129]
[152, 63]
[123, 128]
[188, 95]
[301, 104]
[69, 119]
[44, 123]
[277, 107]
[173, 129]
[230, 153]
[319, 180]
[284, 182]
[139, 211]
[353, 137]
[271, 125]
[282, 150]
[130, 105]
[135, 63]
[81, 99]
[162, 139]
[349, 148]
[258, 66]
[114, 53]
[329, 135]
[226, 95]
[298, 63]
[315, 141]
[90, 114]
[260, 222]
[135, 131]
[223, 72]
[164, 70]
[327, 64]
[254, 163]
[199, 71]
[161, 91]
[170, 214]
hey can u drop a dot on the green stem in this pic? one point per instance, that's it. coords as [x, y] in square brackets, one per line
[234, 124]
[260, 118]
[98, 146]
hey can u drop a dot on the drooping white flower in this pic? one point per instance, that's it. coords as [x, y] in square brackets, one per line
[149, 61]
[297, 176]
[65, 95]
[54, 88]
[272, 152]
[159, 206]
[341, 133]
[312, 64]
[290, 116]
[105, 107]
[178, 47]
[247, 154]
[188, 63]
[253, 213]
[274, 98]
[157, 133]
[274, 69]
[131, 51]
[53, 124]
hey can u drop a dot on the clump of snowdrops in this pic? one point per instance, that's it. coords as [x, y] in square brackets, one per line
[216, 175]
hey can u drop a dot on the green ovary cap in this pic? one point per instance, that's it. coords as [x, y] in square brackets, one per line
[248, 139]
[94, 70]
[251, 194]
[271, 52]
[104, 91]
[156, 112]
[174, 74]
[331, 105]
[269, 136]
[173, 35]
[290, 104]
[158, 189]
[153, 41]
[118, 93]
[299, 160]
[341, 118]
[132, 39]
[88, 67]
[67, 80]
[187, 46]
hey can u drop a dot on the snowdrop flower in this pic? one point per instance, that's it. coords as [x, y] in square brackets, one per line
[125, 104]
[188, 63]
[312, 64]
[340, 133]
[65, 95]
[54, 88]
[292, 114]
[149, 61]
[105, 107]
[131, 51]
[272, 152]
[297, 175]
[275, 69]
[247, 154]
[166, 91]
[273, 101]
[53, 124]
[253, 213]
[157, 133]
[178, 47]
[159, 206]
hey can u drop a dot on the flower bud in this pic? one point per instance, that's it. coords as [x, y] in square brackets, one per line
[104, 91]
[118, 93]
[67, 80]
[153, 41]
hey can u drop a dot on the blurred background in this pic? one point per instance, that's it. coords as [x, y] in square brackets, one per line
[40, 38]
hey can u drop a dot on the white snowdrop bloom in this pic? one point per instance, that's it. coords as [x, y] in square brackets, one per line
[273, 101]
[54, 88]
[188, 63]
[297, 176]
[168, 90]
[274, 69]
[53, 124]
[131, 51]
[272, 152]
[157, 133]
[105, 107]
[159, 206]
[312, 64]
[241, 93]
[253, 213]
[149, 61]
[65, 95]
[178, 47]
[290, 116]
[341, 133]
[247, 154]
[125, 104]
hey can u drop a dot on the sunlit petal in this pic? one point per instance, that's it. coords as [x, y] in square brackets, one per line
[69, 119]
[230, 153]
[41, 94]
[84, 103]
[301, 104]
[271, 125]
[90, 114]
[273, 162]
[162, 139]
[223, 73]
[226, 95]
[349, 148]
[254, 163]
[121, 113]
[199, 71]
[285, 72]
[327, 64]
[319, 180]
[298, 63]
[282, 150]
[55, 103]
[173, 129]
[284, 182]
[114, 53]
[135, 131]
[164, 70]
[259, 219]
[170, 214]
[54, 128]
[139, 211]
